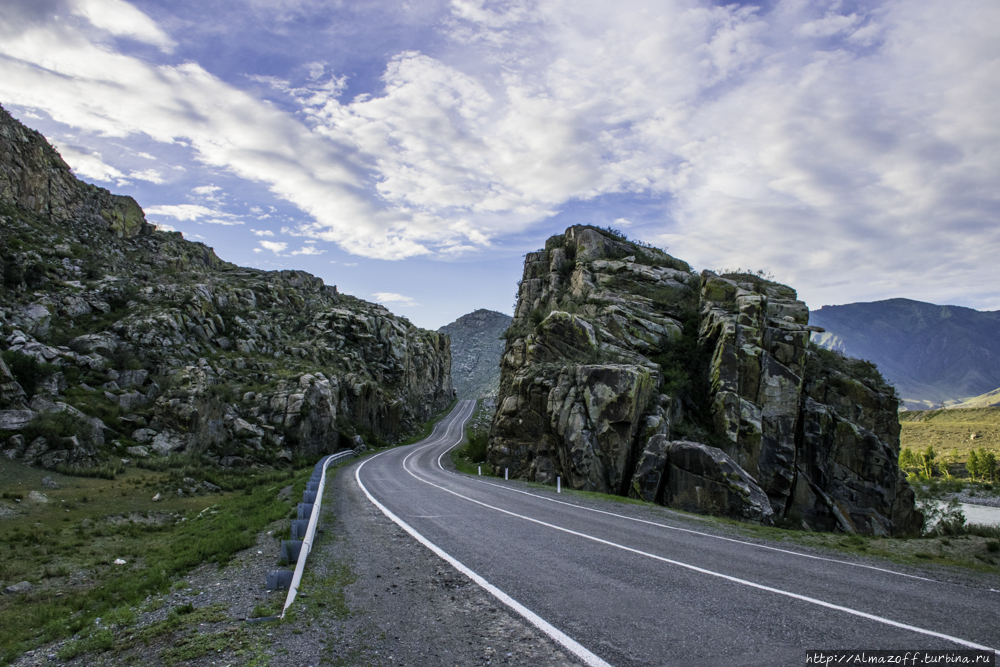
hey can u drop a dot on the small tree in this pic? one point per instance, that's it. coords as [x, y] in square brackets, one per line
[908, 461]
[972, 465]
[927, 461]
[988, 465]
[949, 460]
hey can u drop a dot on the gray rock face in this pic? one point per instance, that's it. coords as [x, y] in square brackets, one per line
[476, 348]
[615, 347]
[704, 479]
[246, 363]
[11, 393]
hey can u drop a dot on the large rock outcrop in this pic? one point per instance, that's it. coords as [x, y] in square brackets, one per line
[617, 348]
[177, 349]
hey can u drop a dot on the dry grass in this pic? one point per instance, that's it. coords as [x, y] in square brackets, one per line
[949, 430]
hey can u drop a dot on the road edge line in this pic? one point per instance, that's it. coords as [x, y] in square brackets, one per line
[555, 634]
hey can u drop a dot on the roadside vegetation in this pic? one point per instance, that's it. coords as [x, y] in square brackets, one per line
[98, 548]
[472, 454]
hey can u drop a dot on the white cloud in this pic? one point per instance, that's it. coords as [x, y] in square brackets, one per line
[206, 190]
[308, 250]
[276, 247]
[181, 211]
[122, 20]
[262, 232]
[151, 175]
[800, 137]
[393, 298]
[89, 165]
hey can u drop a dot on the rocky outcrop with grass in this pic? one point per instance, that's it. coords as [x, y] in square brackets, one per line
[121, 339]
[626, 372]
[476, 348]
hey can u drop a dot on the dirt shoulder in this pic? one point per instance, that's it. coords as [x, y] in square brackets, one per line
[371, 596]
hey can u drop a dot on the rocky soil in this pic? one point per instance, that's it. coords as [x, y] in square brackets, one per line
[626, 372]
[372, 596]
[122, 340]
[476, 348]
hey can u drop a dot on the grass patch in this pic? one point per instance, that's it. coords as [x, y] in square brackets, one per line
[952, 433]
[82, 530]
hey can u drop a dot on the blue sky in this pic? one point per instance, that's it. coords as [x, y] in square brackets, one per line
[412, 152]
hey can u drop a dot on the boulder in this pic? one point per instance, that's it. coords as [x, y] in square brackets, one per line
[20, 587]
[11, 393]
[168, 441]
[15, 420]
[706, 480]
[98, 343]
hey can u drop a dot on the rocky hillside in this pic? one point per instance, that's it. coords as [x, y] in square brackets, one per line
[626, 372]
[935, 355]
[121, 339]
[476, 348]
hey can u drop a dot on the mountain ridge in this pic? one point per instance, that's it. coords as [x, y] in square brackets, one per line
[935, 355]
[476, 348]
[153, 345]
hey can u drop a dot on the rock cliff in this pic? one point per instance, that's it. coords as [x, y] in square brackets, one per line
[118, 338]
[626, 372]
[476, 349]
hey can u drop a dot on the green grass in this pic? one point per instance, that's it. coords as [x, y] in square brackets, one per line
[160, 542]
[948, 430]
[472, 454]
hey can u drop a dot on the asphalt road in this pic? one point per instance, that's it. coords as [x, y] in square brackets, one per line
[634, 587]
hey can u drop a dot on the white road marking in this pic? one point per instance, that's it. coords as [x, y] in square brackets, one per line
[557, 635]
[687, 530]
[737, 580]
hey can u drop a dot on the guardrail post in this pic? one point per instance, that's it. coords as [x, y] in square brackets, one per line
[305, 510]
[278, 579]
[299, 528]
[290, 550]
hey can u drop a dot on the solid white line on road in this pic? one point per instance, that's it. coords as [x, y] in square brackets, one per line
[688, 530]
[715, 537]
[712, 573]
[558, 636]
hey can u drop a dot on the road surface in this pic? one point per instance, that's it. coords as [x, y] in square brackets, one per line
[620, 585]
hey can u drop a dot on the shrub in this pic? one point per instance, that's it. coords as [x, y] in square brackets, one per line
[53, 425]
[27, 371]
[476, 449]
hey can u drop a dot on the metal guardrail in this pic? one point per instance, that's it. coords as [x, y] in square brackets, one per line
[312, 500]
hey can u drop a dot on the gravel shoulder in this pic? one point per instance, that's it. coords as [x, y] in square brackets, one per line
[371, 596]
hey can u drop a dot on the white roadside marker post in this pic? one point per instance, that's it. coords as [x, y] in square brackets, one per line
[505, 472]
[480, 470]
[558, 484]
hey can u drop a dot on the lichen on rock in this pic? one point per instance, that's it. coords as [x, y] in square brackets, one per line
[616, 348]
[178, 350]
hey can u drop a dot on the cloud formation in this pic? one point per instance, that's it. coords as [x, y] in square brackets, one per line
[394, 299]
[852, 149]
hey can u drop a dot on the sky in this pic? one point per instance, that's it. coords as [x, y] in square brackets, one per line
[411, 152]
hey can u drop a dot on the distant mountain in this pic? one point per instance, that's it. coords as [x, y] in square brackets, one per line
[476, 349]
[935, 355]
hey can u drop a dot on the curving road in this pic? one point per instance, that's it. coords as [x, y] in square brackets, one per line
[631, 585]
